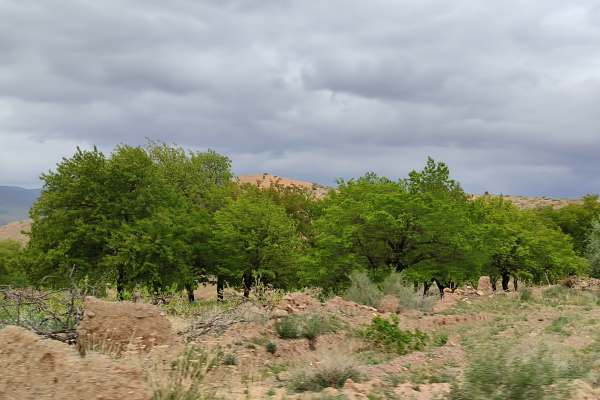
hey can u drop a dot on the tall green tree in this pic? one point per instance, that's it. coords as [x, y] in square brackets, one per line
[253, 238]
[421, 225]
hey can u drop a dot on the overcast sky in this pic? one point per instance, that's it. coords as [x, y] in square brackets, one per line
[506, 92]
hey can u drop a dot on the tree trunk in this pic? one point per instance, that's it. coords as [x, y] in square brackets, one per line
[515, 283]
[120, 283]
[505, 281]
[441, 288]
[493, 281]
[247, 281]
[190, 293]
[220, 288]
[426, 286]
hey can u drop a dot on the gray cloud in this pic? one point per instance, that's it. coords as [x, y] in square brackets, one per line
[506, 92]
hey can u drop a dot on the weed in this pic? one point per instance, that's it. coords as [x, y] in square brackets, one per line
[386, 335]
[288, 327]
[558, 326]
[492, 375]
[440, 340]
[309, 327]
[230, 359]
[526, 294]
[332, 371]
[271, 348]
[182, 382]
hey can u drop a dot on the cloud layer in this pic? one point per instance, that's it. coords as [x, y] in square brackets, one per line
[507, 93]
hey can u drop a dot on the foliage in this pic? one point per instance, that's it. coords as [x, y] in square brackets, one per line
[253, 237]
[592, 249]
[421, 224]
[575, 220]
[388, 336]
[10, 273]
[307, 326]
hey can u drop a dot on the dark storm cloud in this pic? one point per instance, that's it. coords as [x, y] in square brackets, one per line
[506, 92]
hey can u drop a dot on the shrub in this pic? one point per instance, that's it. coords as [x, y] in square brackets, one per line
[492, 375]
[362, 290]
[405, 292]
[288, 327]
[271, 348]
[386, 335]
[230, 359]
[332, 371]
[440, 340]
[309, 327]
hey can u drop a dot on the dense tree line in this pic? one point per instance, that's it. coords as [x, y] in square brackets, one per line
[165, 218]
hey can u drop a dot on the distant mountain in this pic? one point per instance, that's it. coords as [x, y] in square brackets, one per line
[15, 203]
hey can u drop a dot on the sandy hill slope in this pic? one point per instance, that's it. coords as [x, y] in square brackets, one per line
[526, 202]
[14, 231]
[266, 180]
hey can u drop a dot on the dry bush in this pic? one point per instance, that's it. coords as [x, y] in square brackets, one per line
[408, 298]
[183, 378]
[362, 290]
[333, 369]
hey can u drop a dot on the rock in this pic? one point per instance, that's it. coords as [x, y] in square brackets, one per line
[115, 327]
[480, 293]
[389, 304]
[44, 369]
[484, 284]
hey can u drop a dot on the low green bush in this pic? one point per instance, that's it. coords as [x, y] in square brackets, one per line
[386, 335]
[271, 348]
[288, 327]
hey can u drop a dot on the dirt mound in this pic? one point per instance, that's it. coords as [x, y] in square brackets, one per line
[296, 303]
[268, 180]
[14, 231]
[115, 327]
[38, 369]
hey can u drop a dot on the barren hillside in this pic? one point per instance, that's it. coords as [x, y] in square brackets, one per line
[266, 180]
[14, 231]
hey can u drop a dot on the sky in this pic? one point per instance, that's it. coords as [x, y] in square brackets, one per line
[507, 93]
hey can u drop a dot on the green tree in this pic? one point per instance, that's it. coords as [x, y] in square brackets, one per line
[10, 273]
[575, 220]
[522, 244]
[254, 237]
[593, 249]
[85, 203]
[422, 225]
